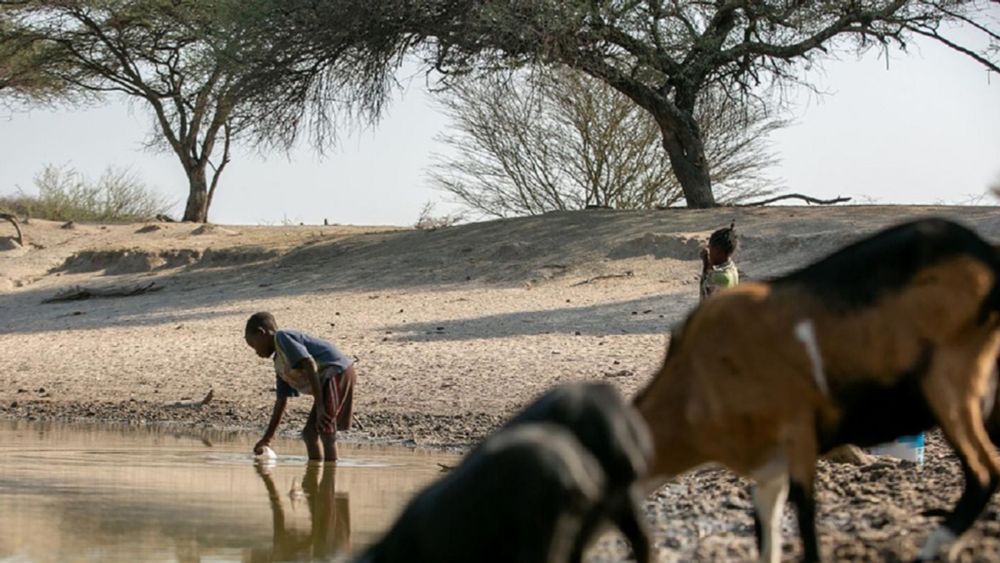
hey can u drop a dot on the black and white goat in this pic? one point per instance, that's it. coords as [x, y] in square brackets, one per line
[887, 337]
[522, 495]
[538, 489]
[612, 431]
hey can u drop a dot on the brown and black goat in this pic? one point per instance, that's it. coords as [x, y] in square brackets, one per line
[887, 337]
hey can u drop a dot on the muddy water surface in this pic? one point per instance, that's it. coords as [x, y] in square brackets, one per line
[81, 493]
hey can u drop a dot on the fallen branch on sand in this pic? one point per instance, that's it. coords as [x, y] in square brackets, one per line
[13, 221]
[804, 198]
[78, 293]
[627, 274]
[191, 404]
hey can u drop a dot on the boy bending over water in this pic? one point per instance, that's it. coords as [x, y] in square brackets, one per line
[305, 364]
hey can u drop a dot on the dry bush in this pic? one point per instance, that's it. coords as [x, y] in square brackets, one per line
[64, 194]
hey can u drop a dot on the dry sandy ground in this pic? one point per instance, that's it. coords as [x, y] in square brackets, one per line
[454, 329]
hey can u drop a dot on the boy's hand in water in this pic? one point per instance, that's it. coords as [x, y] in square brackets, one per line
[258, 448]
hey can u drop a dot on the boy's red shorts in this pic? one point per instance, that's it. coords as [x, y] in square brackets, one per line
[338, 399]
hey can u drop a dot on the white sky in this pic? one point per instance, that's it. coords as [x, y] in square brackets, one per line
[925, 130]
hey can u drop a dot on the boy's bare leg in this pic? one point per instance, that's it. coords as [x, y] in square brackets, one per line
[311, 436]
[320, 445]
[329, 442]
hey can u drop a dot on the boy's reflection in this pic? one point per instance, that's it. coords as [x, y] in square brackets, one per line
[329, 515]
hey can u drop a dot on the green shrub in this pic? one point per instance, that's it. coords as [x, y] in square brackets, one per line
[118, 196]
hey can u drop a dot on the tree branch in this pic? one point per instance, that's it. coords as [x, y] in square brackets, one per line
[805, 198]
[13, 221]
[217, 171]
[933, 34]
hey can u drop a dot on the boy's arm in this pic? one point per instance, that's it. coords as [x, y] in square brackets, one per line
[308, 366]
[272, 426]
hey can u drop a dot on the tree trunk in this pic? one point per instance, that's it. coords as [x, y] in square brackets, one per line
[687, 159]
[197, 203]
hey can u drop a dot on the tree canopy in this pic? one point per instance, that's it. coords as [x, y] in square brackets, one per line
[664, 55]
[23, 78]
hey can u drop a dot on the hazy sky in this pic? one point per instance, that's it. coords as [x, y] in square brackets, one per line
[924, 130]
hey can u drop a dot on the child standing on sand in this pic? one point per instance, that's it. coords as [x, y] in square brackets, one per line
[305, 364]
[717, 267]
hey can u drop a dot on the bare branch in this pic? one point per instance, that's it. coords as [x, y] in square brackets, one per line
[805, 198]
[17, 227]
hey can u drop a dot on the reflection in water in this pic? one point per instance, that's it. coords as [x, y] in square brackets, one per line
[329, 532]
[91, 493]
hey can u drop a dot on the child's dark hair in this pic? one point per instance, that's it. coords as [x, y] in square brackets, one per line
[725, 239]
[261, 320]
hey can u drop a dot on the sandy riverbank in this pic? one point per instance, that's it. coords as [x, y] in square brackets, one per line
[454, 330]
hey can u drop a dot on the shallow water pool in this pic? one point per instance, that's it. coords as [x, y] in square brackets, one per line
[92, 493]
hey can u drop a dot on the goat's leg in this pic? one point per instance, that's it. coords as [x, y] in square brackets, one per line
[588, 527]
[801, 495]
[769, 502]
[624, 509]
[991, 406]
[769, 497]
[962, 425]
[628, 516]
[970, 505]
[802, 477]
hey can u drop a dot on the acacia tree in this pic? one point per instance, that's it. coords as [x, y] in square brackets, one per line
[547, 139]
[22, 78]
[662, 54]
[173, 56]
